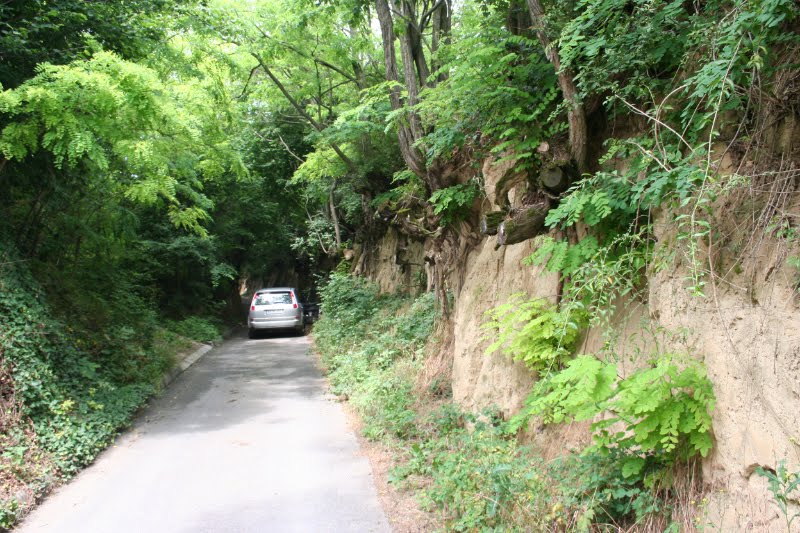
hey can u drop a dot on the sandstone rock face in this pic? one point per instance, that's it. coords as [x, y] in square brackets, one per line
[748, 340]
[750, 343]
[746, 331]
[395, 263]
[481, 380]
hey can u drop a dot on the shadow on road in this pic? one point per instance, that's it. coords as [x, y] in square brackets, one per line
[240, 379]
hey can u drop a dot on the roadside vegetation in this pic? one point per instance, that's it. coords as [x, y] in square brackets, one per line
[123, 149]
[160, 157]
[473, 469]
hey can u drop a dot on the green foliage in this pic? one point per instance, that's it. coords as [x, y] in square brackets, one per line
[25, 469]
[386, 402]
[481, 480]
[138, 127]
[197, 328]
[575, 393]
[597, 276]
[453, 203]
[784, 486]
[73, 388]
[348, 302]
[371, 344]
[75, 403]
[666, 410]
[38, 31]
[534, 332]
[687, 71]
[471, 467]
[498, 86]
[561, 256]
[645, 43]
[595, 490]
[660, 413]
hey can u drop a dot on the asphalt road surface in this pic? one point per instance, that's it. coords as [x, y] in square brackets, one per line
[246, 440]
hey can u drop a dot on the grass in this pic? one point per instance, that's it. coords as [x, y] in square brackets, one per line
[469, 467]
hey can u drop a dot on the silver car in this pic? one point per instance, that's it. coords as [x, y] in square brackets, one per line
[275, 308]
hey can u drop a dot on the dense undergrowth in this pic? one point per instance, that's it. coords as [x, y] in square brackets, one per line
[473, 469]
[66, 391]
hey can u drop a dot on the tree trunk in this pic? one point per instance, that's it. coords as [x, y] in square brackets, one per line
[441, 23]
[411, 155]
[523, 225]
[554, 178]
[335, 217]
[409, 52]
[576, 113]
[490, 222]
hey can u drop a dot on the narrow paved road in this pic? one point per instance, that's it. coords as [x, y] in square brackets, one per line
[243, 441]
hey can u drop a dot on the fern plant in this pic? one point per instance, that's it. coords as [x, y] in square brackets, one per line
[575, 393]
[534, 331]
[660, 412]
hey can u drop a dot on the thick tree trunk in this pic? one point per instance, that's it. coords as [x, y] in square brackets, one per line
[490, 222]
[557, 172]
[525, 224]
[411, 155]
[554, 178]
[576, 113]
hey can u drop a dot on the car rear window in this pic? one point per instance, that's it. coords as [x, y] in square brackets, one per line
[272, 298]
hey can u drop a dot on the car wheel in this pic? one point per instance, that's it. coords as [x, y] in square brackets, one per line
[251, 333]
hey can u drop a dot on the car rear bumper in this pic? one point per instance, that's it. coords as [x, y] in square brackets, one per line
[269, 323]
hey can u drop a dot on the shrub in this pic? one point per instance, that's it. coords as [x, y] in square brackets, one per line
[200, 329]
[70, 390]
[481, 479]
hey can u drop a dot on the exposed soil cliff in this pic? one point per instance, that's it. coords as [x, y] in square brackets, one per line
[746, 331]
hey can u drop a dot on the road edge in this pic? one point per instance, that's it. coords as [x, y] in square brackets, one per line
[184, 364]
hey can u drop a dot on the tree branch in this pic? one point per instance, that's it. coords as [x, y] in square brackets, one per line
[317, 126]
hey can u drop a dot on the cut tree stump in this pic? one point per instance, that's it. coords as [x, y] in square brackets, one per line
[558, 171]
[527, 222]
[553, 178]
[491, 221]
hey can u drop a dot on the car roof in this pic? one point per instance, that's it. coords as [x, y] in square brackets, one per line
[275, 289]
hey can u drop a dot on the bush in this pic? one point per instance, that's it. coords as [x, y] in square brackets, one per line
[371, 345]
[70, 389]
[472, 467]
[481, 479]
[200, 329]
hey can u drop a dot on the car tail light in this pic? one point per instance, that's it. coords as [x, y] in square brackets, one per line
[295, 306]
[252, 307]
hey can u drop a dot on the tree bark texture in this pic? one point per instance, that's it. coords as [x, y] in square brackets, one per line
[490, 222]
[555, 178]
[576, 113]
[411, 155]
[525, 224]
